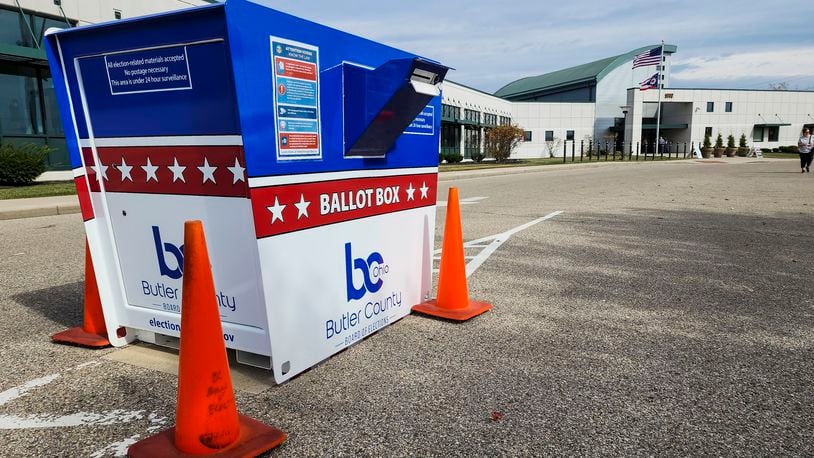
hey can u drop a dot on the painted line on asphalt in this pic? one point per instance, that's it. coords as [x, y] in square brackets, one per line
[466, 201]
[20, 391]
[495, 241]
[119, 448]
[110, 417]
[45, 420]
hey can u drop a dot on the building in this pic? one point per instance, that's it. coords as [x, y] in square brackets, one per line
[600, 103]
[596, 103]
[28, 106]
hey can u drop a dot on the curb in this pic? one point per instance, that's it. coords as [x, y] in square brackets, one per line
[32, 212]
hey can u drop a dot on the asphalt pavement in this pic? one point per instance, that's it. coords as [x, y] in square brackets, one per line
[668, 310]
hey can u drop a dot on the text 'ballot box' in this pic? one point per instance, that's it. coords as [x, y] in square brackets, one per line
[309, 154]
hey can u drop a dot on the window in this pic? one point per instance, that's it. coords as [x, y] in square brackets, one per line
[708, 131]
[13, 28]
[774, 133]
[490, 119]
[450, 112]
[450, 137]
[16, 29]
[569, 135]
[728, 107]
[710, 107]
[504, 120]
[757, 134]
[53, 125]
[549, 135]
[20, 109]
[527, 136]
[472, 115]
[117, 14]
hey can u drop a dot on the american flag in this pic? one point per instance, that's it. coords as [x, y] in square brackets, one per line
[650, 83]
[651, 57]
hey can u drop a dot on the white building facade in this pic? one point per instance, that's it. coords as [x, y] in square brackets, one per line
[466, 115]
[28, 107]
[768, 119]
[599, 105]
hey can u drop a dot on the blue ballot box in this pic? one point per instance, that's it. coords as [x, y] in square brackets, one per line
[309, 154]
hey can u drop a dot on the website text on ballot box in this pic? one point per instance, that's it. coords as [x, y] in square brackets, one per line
[309, 154]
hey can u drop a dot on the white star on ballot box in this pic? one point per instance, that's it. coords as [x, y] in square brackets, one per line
[410, 192]
[237, 172]
[150, 170]
[276, 211]
[302, 207]
[177, 170]
[125, 170]
[208, 171]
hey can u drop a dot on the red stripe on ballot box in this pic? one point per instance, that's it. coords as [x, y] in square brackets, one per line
[293, 207]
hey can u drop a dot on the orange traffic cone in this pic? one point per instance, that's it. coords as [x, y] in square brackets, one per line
[453, 301]
[93, 333]
[207, 421]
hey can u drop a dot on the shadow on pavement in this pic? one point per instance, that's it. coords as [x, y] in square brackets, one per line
[61, 304]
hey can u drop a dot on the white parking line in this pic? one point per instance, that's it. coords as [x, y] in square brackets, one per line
[19, 391]
[466, 201]
[110, 417]
[119, 448]
[495, 242]
[46, 420]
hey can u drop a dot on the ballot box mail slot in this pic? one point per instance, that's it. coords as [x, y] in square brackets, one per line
[309, 154]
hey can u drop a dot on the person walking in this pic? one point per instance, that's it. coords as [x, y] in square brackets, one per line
[805, 144]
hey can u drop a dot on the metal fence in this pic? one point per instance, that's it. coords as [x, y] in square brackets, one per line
[583, 151]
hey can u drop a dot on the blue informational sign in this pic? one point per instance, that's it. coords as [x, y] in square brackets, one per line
[296, 98]
[284, 137]
[290, 112]
[153, 70]
[424, 123]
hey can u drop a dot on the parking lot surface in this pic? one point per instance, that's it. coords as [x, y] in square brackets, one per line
[668, 310]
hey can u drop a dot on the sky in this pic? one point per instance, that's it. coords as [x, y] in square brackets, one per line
[721, 44]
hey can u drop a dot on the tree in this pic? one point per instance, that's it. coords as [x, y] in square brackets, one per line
[719, 141]
[501, 141]
[553, 145]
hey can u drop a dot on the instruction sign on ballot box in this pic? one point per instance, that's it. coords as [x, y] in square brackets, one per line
[309, 154]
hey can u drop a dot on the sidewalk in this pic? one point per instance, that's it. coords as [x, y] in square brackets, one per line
[38, 206]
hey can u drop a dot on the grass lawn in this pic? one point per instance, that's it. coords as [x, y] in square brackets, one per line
[781, 155]
[44, 189]
[532, 162]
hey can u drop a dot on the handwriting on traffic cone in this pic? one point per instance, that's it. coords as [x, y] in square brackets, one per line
[452, 301]
[207, 421]
[93, 333]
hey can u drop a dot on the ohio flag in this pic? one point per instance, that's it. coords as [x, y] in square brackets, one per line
[650, 83]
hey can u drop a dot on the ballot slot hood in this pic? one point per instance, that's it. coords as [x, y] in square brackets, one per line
[379, 104]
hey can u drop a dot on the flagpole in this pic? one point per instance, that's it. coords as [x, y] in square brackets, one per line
[658, 107]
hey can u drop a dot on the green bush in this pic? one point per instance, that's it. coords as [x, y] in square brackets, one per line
[21, 164]
[454, 158]
[719, 141]
[707, 143]
[789, 149]
[742, 141]
[730, 141]
[477, 157]
[441, 157]
[765, 150]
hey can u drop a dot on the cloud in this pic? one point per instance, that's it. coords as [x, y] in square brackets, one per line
[491, 44]
[778, 64]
